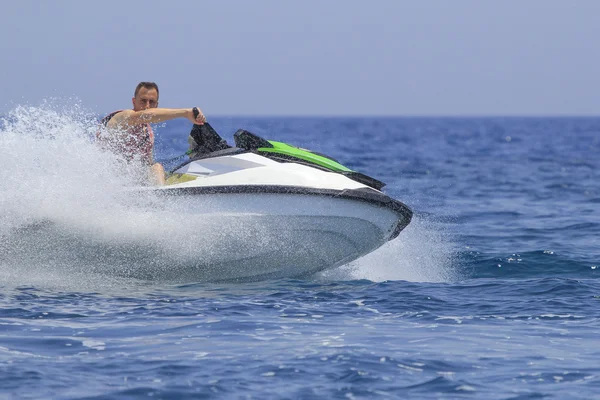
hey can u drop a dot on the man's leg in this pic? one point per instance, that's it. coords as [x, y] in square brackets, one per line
[157, 174]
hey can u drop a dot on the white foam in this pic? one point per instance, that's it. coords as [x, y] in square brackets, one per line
[53, 172]
[423, 252]
[51, 169]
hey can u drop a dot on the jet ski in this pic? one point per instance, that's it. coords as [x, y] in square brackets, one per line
[303, 211]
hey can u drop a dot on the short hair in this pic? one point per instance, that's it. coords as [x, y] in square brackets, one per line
[145, 85]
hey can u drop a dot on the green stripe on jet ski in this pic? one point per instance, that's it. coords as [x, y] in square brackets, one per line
[286, 149]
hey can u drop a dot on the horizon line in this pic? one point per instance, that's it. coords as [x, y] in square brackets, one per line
[448, 116]
[384, 116]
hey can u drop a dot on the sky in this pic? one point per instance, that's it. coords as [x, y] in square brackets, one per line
[308, 57]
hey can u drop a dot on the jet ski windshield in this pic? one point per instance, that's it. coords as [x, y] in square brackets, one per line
[203, 139]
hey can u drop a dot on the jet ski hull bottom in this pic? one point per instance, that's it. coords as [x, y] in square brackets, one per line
[254, 236]
[191, 236]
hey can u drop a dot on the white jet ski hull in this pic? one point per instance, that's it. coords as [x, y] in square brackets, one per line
[276, 235]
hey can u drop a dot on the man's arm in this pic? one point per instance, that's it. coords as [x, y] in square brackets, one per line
[152, 116]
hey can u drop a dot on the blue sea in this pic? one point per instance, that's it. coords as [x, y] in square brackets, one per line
[492, 291]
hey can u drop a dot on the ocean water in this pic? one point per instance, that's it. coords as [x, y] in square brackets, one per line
[491, 292]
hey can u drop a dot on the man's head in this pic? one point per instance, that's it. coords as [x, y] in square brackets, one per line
[145, 96]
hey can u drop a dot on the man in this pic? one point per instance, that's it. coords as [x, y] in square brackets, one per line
[130, 133]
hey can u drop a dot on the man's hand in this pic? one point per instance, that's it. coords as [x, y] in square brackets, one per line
[198, 120]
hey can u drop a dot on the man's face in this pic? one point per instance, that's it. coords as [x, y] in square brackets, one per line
[145, 99]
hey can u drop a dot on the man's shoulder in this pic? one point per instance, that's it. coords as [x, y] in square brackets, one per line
[121, 113]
